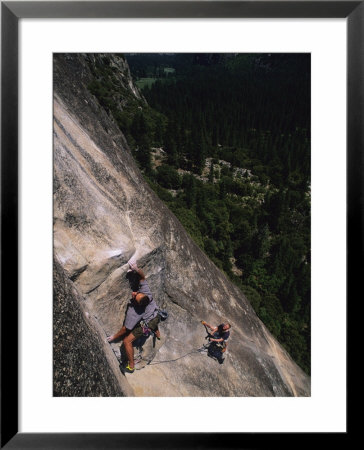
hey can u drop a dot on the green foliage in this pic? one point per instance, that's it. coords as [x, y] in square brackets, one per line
[145, 82]
[168, 177]
[271, 313]
[162, 193]
[252, 111]
[143, 126]
[296, 342]
[190, 223]
[253, 296]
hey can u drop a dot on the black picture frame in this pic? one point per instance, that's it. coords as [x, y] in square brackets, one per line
[11, 12]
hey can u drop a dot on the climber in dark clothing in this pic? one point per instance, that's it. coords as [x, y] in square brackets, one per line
[218, 339]
[141, 307]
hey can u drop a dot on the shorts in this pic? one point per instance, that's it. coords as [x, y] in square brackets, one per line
[153, 325]
[216, 349]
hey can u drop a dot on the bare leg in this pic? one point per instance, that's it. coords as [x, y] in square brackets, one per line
[120, 333]
[128, 344]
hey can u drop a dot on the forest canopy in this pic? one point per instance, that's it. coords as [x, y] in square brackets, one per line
[224, 140]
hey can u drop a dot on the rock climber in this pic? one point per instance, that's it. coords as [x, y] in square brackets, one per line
[141, 308]
[218, 339]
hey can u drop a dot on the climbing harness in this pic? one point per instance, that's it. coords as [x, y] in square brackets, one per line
[139, 357]
[207, 347]
[146, 330]
[214, 349]
[162, 313]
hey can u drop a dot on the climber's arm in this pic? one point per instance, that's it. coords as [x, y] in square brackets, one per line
[213, 329]
[216, 340]
[133, 265]
[140, 273]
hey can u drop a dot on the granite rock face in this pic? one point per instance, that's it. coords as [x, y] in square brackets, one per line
[78, 348]
[105, 213]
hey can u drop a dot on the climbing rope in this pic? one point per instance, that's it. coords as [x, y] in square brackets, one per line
[152, 363]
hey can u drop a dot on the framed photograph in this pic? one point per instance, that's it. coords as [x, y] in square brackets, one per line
[41, 41]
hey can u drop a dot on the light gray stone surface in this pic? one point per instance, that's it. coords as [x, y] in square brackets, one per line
[104, 213]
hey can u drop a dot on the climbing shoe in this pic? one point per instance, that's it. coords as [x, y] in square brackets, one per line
[203, 322]
[127, 369]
